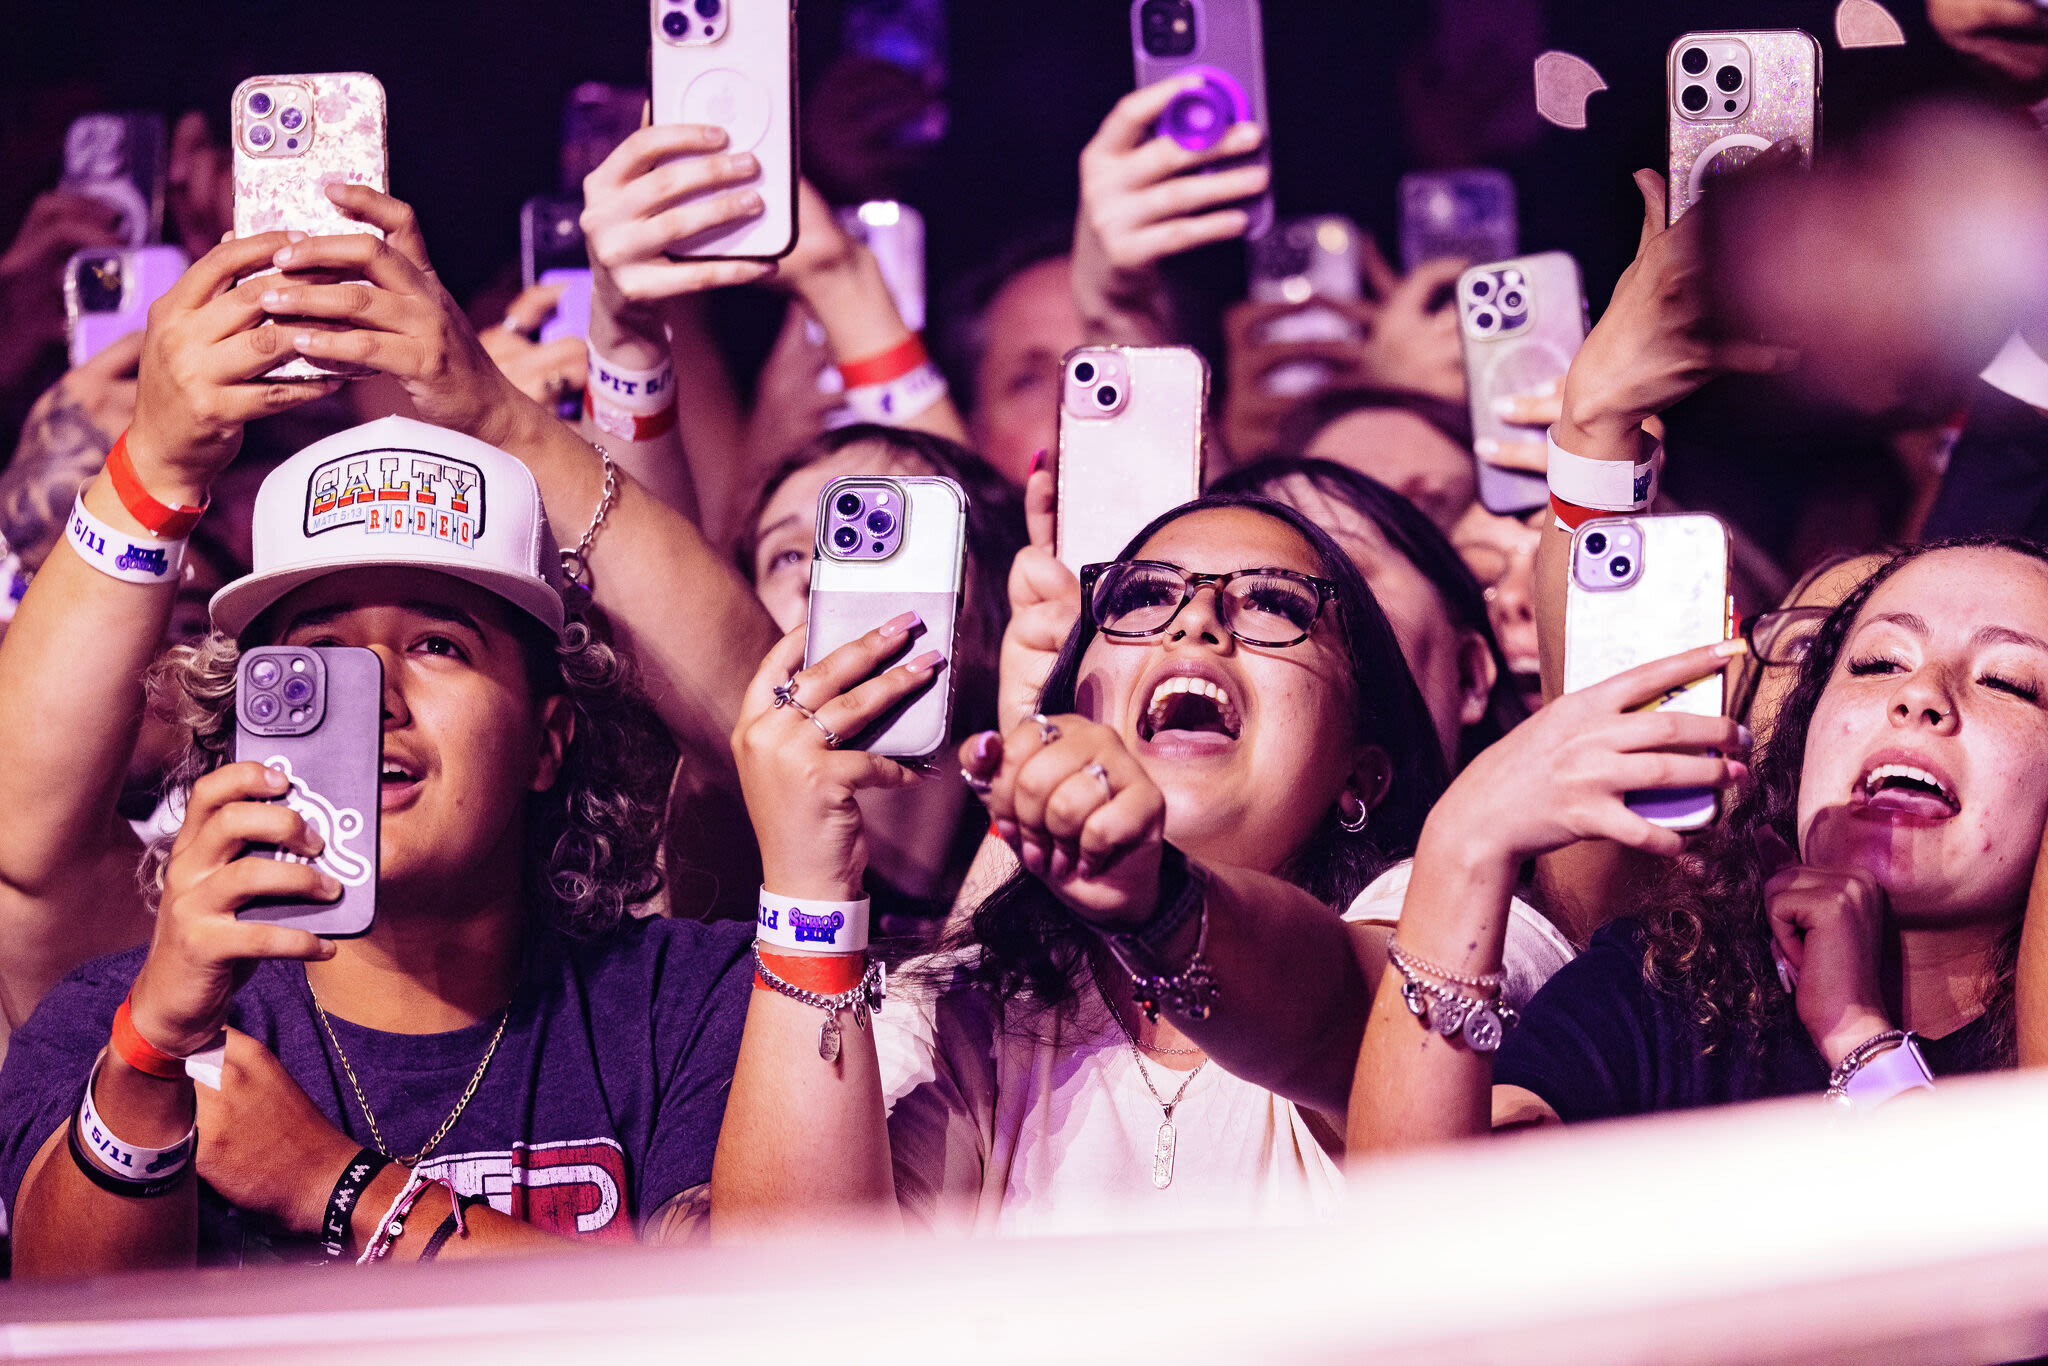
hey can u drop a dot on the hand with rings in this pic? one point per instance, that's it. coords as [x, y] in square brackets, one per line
[798, 779]
[1079, 811]
[544, 372]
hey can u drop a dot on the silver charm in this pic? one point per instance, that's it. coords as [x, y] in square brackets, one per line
[1447, 1017]
[1482, 1029]
[1162, 1154]
[1415, 998]
[828, 1039]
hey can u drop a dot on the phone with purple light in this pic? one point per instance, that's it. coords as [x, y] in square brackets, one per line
[1469, 215]
[108, 291]
[1220, 41]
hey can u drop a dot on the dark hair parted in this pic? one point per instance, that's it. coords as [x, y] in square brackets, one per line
[592, 840]
[995, 533]
[1300, 424]
[1420, 542]
[1708, 935]
[1026, 940]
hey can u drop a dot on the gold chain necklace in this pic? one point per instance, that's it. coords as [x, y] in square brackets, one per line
[376, 1135]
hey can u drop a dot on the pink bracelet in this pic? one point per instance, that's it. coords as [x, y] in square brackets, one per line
[392, 1226]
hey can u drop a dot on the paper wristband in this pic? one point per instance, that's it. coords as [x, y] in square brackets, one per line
[1889, 1073]
[802, 926]
[139, 1053]
[899, 399]
[131, 559]
[898, 361]
[624, 425]
[640, 392]
[127, 1161]
[1582, 488]
[827, 974]
[170, 521]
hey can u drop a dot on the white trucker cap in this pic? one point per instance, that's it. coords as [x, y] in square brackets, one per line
[397, 492]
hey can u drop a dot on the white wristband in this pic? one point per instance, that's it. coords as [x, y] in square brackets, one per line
[126, 1160]
[803, 926]
[896, 401]
[642, 393]
[131, 559]
[1602, 485]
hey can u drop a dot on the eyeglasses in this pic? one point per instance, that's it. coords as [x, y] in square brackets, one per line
[1132, 599]
[1784, 636]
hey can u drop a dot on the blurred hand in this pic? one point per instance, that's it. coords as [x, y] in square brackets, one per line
[544, 372]
[32, 273]
[1537, 408]
[1253, 411]
[1829, 927]
[789, 407]
[63, 443]
[1045, 602]
[263, 1145]
[1413, 344]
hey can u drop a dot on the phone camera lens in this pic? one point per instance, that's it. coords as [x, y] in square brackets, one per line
[263, 708]
[1694, 60]
[1485, 321]
[708, 9]
[1619, 566]
[1512, 300]
[880, 522]
[1105, 397]
[290, 119]
[675, 24]
[848, 505]
[1084, 372]
[259, 136]
[846, 538]
[298, 690]
[259, 104]
[1482, 287]
[1596, 543]
[263, 673]
[1694, 98]
[1729, 78]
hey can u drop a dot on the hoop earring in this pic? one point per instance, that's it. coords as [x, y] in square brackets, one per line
[1354, 825]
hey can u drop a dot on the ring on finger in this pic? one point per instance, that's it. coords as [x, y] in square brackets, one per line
[785, 693]
[977, 784]
[1101, 775]
[831, 736]
[1047, 731]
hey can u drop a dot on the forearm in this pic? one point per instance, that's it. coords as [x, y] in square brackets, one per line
[1412, 1086]
[657, 463]
[803, 1138]
[94, 909]
[1132, 310]
[852, 304]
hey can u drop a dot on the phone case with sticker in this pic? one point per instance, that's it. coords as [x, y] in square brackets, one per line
[293, 137]
[736, 68]
[1774, 94]
[316, 715]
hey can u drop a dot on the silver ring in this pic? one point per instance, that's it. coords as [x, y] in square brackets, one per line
[1047, 731]
[1101, 775]
[978, 785]
[831, 736]
[785, 693]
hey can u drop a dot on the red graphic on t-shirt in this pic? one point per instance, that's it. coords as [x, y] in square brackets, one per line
[575, 1188]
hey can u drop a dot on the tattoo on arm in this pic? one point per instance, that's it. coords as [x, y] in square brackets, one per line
[60, 448]
[683, 1218]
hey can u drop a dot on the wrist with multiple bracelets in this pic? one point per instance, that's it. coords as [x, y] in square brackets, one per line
[158, 556]
[1582, 489]
[630, 404]
[1883, 1066]
[1191, 990]
[893, 386]
[1481, 1020]
[816, 953]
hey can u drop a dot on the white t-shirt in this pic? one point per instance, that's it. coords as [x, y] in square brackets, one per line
[1046, 1126]
[1534, 950]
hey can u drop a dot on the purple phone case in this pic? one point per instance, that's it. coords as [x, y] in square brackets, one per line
[571, 317]
[1229, 39]
[335, 765]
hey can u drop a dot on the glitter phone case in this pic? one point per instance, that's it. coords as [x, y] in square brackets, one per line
[1646, 588]
[734, 65]
[1224, 41]
[1130, 444]
[1718, 121]
[1520, 322]
[294, 136]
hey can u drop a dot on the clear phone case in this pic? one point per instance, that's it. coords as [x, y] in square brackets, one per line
[1520, 322]
[1773, 94]
[1130, 444]
[1641, 589]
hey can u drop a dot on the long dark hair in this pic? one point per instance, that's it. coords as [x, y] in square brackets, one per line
[1422, 544]
[1708, 936]
[1025, 940]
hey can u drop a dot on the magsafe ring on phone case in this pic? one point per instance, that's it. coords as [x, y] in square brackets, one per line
[1197, 119]
[730, 100]
[1704, 165]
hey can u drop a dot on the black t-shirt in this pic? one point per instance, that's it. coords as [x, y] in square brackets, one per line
[603, 1101]
[1599, 1042]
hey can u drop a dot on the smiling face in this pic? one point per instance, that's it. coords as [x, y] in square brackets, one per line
[787, 532]
[465, 739]
[1926, 761]
[1251, 746]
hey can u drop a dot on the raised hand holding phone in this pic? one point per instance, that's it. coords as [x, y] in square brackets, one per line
[1045, 602]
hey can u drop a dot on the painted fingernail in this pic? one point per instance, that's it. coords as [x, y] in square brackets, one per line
[1038, 460]
[271, 298]
[1738, 772]
[897, 626]
[302, 340]
[984, 746]
[1745, 737]
[928, 662]
[1728, 649]
[1006, 831]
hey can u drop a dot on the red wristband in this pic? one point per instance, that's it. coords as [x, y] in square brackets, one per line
[173, 523]
[139, 1053]
[1571, 516]
[828, 974]
[624, 425]
[898, 361]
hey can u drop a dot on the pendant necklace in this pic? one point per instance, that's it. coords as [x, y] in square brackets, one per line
[1162, 1149]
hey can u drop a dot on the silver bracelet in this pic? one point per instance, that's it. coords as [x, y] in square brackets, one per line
[1483, 1021]
[1190, 992]
[576, 563]
[866, 995]
[1894, 1064]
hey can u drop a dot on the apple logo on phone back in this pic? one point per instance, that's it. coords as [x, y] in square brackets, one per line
[733, 102]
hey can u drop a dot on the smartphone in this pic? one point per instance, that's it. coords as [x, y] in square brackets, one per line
[1467, 214]
[1222, 41]
[294, 136]
[911, 34]
[894, 232]
[316, 715]
[887, 545]
[108, 291]
[571, 317]
[550, 237]
[1644, 588]
[122, 161]
[1730, 95]
[596, 117]
[1130, 444]
[1520, 322]
[1303, 259]
[734, 65]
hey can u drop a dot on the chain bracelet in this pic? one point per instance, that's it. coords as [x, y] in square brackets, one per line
[1482, 1021]
[575, 563]
[863, 997]
[1415, 962]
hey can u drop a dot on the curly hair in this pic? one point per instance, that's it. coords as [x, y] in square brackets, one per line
[592, 840]
[1708, 934]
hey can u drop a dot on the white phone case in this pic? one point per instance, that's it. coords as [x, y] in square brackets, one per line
[741, 77]
[1122, 466]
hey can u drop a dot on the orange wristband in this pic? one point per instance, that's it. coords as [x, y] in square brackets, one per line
[828, 974]
[139, 1053]
[172, 522]
[898, 361]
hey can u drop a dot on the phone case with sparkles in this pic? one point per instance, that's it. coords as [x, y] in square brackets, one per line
[1117, 473]
[335, 769]
[1229, 35]
[1510, 360]
[1784, 102]
[1469, 214]
[143, 274]
[345, 145]
[1679, 603]
[926, 575]
[744, 81]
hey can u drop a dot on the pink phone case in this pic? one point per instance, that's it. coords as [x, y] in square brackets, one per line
[1778, 96]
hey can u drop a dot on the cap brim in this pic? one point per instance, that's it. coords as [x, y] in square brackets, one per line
[247, 598]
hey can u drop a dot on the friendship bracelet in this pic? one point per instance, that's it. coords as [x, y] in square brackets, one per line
[131, 559]
[809, 926]
[864, 997]
[336, 1224]
[392, 1226]
[124, 1168]
[825, 973]
[138, 1052]
[172, 522]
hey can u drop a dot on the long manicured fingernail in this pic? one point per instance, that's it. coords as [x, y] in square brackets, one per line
[897, 626]
[1038, 460]
[1728, 649]
[1745, 737]
[928, 662]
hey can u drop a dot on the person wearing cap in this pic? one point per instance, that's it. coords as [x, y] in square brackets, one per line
[506, 1058]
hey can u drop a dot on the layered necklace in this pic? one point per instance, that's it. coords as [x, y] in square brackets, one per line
[376, 1134]
[1162, 1147]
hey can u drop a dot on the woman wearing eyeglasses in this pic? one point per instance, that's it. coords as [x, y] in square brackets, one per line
[1153, 1023]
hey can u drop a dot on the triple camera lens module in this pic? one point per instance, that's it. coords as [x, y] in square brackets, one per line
[1494, 302]
[280, 691]
[865, 522]
[709, 25]
[277, 121]
[1728, 59]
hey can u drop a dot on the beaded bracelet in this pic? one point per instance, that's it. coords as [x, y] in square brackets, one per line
[1482, 1021]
